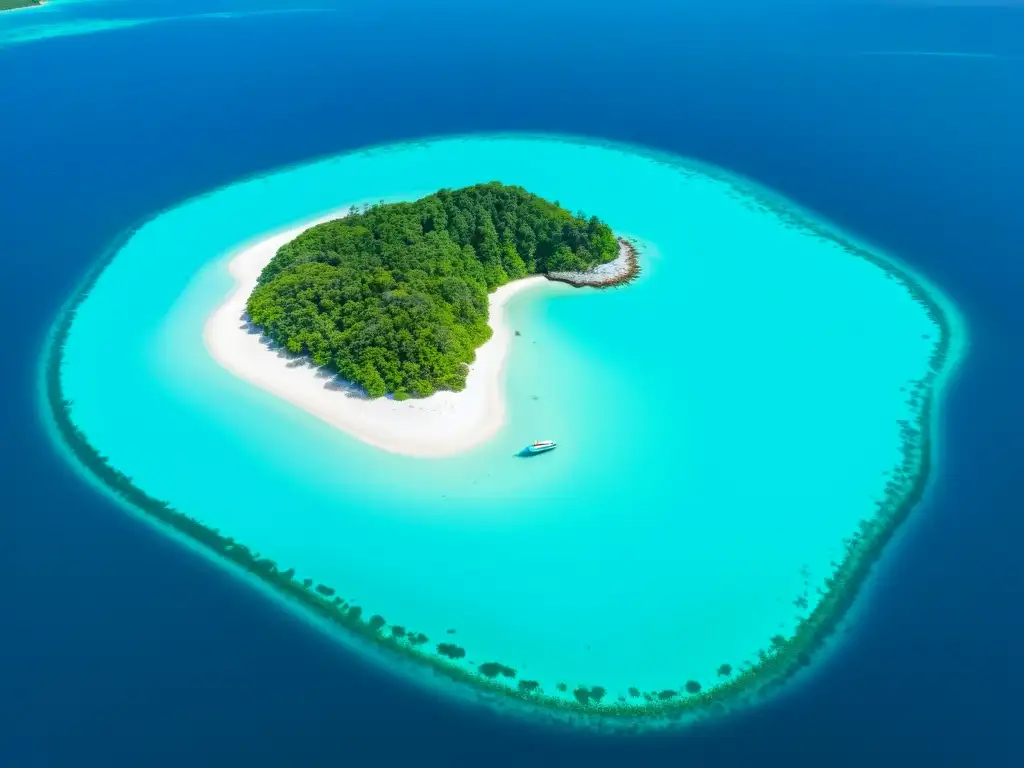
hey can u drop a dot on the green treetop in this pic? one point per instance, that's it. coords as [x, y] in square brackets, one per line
[395, 298]
[10, 5]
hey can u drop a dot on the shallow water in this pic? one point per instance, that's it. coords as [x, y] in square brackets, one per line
[723, 423]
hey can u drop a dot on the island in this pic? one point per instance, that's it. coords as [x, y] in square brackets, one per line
[14, 5]
[394, 298]
[390, 321]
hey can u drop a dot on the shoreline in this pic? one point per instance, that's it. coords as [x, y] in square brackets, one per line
[29, 6]
[774, 667]
[622, 270]
[443, 424]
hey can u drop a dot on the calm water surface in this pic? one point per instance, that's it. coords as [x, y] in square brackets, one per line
[724, 423]
[153, 657]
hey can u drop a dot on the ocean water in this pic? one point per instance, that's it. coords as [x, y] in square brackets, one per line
[128, 648]
[724, 423]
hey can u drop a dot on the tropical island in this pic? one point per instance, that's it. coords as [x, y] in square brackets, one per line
[13, 5]
[850, 353]
[395, 298]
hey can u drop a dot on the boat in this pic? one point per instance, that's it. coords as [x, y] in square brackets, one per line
[539, 446]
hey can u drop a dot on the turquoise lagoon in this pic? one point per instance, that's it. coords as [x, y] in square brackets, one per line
[749, 415]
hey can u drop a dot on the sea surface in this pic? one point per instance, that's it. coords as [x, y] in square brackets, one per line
[128, 649]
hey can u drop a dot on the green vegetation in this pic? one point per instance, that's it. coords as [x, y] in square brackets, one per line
[395, 298]
[10, 5]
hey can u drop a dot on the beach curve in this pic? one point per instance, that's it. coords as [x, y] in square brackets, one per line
[443, 424]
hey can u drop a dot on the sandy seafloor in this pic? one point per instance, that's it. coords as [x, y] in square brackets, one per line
[723, 423]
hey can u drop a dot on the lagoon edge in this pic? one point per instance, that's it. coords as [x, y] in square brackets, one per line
[777, 663]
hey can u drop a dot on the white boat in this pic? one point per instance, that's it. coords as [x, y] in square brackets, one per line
[540, 446]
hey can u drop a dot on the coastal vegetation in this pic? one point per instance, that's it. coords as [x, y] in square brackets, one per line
[10, 5]
[394, 298]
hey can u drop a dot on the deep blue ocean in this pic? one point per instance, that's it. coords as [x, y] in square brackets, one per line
[120, 648]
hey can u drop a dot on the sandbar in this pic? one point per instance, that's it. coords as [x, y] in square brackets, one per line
[443, 424]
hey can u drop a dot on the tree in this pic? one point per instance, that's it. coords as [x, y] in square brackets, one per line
[394, 297]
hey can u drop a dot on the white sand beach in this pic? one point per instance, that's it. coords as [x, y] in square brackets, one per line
[440, 425]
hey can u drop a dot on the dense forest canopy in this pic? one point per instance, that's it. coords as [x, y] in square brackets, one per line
[395, 297]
